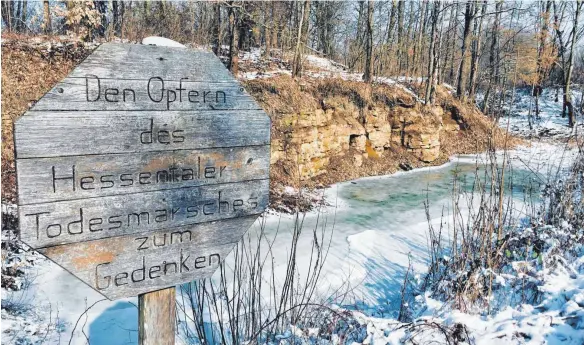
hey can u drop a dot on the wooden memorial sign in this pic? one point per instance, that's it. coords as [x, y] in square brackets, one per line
[142, 169]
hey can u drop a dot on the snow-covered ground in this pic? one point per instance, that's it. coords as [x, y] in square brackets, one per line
[380, 228]
[318, 67]
[379, 224]
[549, 125]
[557, 319]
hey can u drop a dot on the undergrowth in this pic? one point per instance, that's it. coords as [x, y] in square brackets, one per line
[498, 253]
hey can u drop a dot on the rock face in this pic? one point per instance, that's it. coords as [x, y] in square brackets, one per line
[311, 139]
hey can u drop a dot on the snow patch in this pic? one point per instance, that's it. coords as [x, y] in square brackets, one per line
[161, 42]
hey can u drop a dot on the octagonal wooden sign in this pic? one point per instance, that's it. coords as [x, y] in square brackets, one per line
[142, 169]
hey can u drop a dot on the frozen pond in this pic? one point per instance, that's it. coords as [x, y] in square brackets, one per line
[374, 225]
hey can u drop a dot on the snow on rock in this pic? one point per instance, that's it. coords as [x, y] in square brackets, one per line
[162, 42]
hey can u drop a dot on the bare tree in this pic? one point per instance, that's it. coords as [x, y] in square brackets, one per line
[118, 8]
[433, 55]
[400, 25]
[369, 47]
[567, 92]
[7, 14]
[23, 15]
[47, 17]
[418, 47]
[468, 18]
[476, 48]
[493, 57]
[454, 29]
[301, 39]
[233, 40]
[543, 54]
[217, 28]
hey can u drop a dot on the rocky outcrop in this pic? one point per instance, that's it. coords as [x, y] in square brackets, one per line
[311, 139]
[330, 130]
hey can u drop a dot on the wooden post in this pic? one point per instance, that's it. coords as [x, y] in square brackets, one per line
[156, 317]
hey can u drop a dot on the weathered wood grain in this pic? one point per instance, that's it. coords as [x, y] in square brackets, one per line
[53, 134]
[94, 261]
[131, 61]
[93, 93]
[63, 222]
[42, 180]
[106, 169]
[157, 317]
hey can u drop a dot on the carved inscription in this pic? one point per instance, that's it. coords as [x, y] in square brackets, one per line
[66, 133]
[133, 263]
[66, 178]
[138, 178]
[86, 219]
[156, 88]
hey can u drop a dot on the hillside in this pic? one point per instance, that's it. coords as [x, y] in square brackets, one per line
[326, 127]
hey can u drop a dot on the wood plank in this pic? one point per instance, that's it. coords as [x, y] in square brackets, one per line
[63, 222]
[131, 61]
[142, 170]
[52, 134]
[94, 261]
[42, 180]
[94, 93]
[157, 317]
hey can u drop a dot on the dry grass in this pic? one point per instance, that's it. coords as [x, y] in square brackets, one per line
[284, 95]
[29, 70]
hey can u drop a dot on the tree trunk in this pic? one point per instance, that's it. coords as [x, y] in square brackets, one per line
[217, 29]
[408, 38]
[330, 46]
[277, 28]
[324, 17]
[449, 54]
[418, 49]
[478, 29]
[391, 22]
[47, 17]
[581, 101]
[567, 94]
[269, 28]
[23, 15]
[319, 12]
[367, 77]
[301, 39]
[468, 18]
[243, 28]
[6, 13]
[17, 22]
[116, 17]
[561, 48]
[357, 46]
[493, 57]
[122, 13]
[433, 56]
[541, 53]
[451, 76]
[233, 44]
[400, 39]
